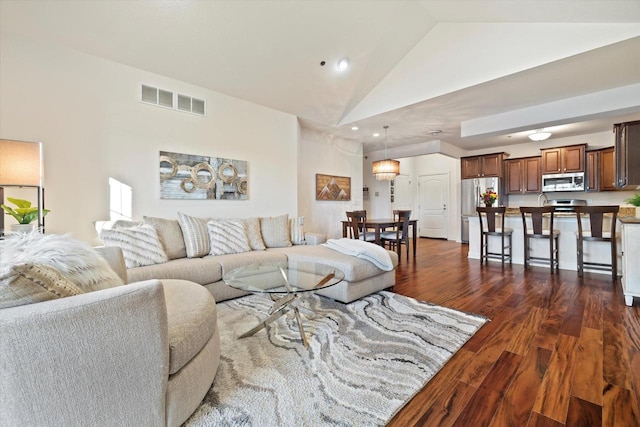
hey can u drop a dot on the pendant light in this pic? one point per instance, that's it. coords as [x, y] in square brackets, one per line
[387, 169]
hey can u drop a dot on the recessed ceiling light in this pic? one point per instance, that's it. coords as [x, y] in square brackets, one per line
[343, 64]
[375, 135]
[354, 128]
[435, 132]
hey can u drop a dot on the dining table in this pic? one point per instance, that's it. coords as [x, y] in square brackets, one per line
[380, 224]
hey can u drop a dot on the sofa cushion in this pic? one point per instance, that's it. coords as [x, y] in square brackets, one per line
[354, 269]
[233, 261]
[28, 283]
[199, 270]
[170, 235]
[75, 260]
[192, 320]
[228, 237]
[195, 235]
[275, 231]
[140, 245]
[254, 234]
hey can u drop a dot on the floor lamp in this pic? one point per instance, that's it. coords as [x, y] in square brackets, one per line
[21, 166]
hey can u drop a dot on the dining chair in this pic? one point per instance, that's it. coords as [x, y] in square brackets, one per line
[536, 216]
[400, 235]
[597, 233]
[356, 226]
[489, 226]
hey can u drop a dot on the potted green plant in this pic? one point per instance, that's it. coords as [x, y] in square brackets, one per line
[24, 213]
[635, 201]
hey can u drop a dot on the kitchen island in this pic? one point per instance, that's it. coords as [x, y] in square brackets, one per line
[565, 222]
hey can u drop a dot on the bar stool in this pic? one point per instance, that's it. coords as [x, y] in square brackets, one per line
[596, 233]
[487, 216]
[538, 232]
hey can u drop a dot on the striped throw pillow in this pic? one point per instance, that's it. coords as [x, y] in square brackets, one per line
[195, 234]
[140, 245]
[28, 283]
[228, 237]
[296, 226]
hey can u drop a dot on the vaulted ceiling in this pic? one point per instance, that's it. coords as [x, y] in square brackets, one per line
[484, 73]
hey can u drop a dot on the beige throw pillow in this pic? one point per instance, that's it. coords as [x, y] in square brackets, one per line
[254, 234]
[29, 283]
[275, 231]
[170, 235]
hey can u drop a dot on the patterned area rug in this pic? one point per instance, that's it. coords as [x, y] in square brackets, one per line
[366, 360]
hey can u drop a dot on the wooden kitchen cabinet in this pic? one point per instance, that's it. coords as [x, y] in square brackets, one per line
[523, 175]
[627, 154]
[601, 170]
[488, 165]
[593, 170]
[563, 159]
[607, 166]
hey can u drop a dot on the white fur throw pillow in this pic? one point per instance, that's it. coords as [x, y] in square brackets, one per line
[28, 283]
[140, 245]
[254, 234]
[228, 237]
[195, 235]
[75, 260]
[275, 231]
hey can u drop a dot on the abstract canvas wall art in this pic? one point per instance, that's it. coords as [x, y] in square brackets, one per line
[187, 176]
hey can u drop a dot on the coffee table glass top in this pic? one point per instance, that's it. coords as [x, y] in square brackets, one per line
[298, 277]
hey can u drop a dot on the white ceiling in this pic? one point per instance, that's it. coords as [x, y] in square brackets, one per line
[495, 70]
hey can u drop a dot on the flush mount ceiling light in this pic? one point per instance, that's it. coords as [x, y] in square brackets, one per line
[343, 64]
[539, 135]
[387, 169]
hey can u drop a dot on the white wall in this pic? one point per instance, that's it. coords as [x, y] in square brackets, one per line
[328, 155]
[87, 114]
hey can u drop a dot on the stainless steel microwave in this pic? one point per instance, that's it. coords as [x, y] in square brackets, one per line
[563, 182]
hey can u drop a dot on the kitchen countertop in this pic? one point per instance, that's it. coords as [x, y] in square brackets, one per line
[625, 212]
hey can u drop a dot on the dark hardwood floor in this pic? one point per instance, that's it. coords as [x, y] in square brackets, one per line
[559, 351]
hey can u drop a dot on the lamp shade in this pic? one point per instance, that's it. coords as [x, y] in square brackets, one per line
[386, 169]
[20, 163]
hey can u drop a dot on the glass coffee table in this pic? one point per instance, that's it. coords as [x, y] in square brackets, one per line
[284, 286]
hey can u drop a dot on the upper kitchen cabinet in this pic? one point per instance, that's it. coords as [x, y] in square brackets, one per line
[627, 154]
[601, 170]
[482, 166]
[563, 159]
[523, 175]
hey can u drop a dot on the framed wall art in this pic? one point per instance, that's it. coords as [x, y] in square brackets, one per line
[329, 187]
[187, 176]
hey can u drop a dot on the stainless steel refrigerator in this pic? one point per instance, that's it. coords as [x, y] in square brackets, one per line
[470, 193]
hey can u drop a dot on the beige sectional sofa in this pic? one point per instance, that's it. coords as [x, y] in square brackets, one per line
[361, 276]
[145, 353]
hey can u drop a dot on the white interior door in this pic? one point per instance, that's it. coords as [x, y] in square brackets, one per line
[434, 205]
[403, 195]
